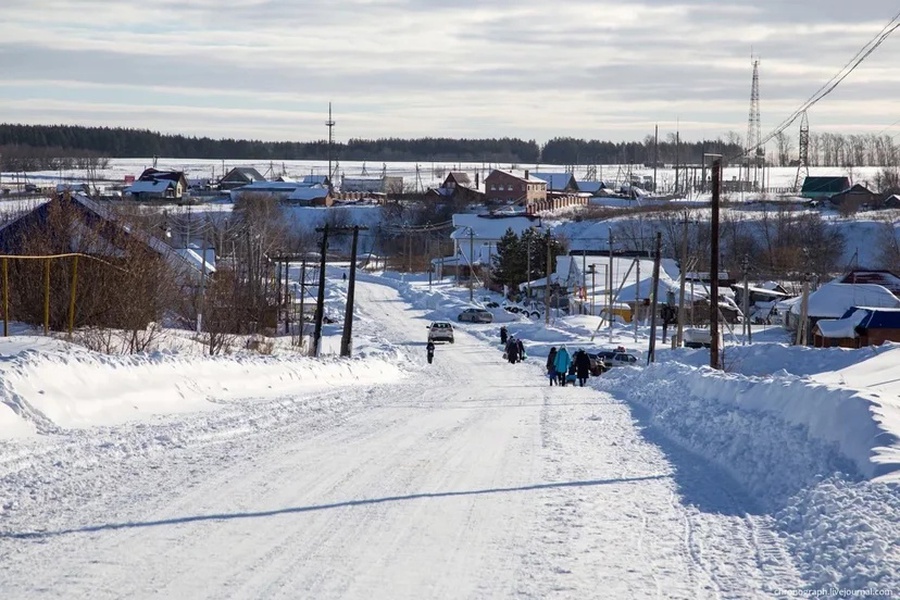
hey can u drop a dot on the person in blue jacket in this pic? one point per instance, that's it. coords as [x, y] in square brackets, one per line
[561, 363]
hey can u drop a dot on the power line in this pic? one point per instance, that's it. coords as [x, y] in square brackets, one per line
[830, 85]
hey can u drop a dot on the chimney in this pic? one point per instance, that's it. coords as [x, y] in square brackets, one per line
[526, 173]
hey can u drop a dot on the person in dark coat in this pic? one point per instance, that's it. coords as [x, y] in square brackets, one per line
[521, 347]
[429, 348]
[582, 364]
[504, 335]
[512, 351]
[551, 366]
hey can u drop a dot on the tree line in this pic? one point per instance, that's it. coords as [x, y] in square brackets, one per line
[48, 147]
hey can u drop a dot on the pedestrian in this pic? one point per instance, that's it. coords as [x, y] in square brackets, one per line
[429, 348]
[582, 366]
[504, 335]
[521, 348]
[512, 351]
[561, 363]
[551, 366]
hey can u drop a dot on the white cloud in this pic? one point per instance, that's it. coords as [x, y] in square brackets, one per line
[267, 68]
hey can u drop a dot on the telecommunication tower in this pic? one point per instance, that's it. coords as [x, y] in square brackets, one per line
[330, 124]
[755, 151]
[803, 163]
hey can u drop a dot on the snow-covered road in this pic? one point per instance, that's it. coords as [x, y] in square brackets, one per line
[472, 479]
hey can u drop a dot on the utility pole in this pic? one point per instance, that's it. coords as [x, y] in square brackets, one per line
[609, 310]
[714, 266]
[745, 304]
[637, 297]
[346, 338]
[547, 286]
[679, 339]
[320, 299]
[471, 263]
[528, 260]
[202, 303]
[802, 334]
[651, 355]
[655, 155]
[583, 279]
[302, 298]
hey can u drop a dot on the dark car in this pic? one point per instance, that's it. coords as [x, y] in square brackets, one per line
[475, 315]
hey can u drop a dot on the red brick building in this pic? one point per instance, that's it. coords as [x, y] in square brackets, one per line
[513, 188]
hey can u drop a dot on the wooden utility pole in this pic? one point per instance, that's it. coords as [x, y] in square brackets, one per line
[637, 297]
[72, 293]
[547, 286]
[609, 311]
[346, 338]
[302, 298]
[745, 263]
[651, 355]
[320, 298]
[802, 333]
[714, 266]
[5, 297]
[679, 338]
[47, 296]
[471, 263]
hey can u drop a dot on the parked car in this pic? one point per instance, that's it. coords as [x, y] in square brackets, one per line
[440, 331]
[476, 315]
[699, 338]
[598, 365]
[615, 358]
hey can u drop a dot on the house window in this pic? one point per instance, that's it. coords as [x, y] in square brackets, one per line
[509, 187]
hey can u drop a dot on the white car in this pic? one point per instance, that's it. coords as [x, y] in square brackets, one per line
[440, 331]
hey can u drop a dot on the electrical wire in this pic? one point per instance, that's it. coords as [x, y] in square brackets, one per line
[830, 85]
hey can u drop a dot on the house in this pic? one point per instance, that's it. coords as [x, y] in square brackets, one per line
[595, 188]
[859, 327]
[886, 279]
[510, 187]
[273, 190]
[559, 182]
[162, 189]
[475, 239]
[891, 202]
[857, 197]
[151, 175]
[310, 196]
[75, 223]
[822, 188]
[316, 180]
[386, 184]
[240, 176]
[457, 186]
[833, 300]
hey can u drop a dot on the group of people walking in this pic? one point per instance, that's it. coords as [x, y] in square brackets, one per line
[563, 368]
[513, 348]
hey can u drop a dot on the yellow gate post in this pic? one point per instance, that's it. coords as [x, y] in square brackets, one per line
[47, 296]
[72, 296]
[5, 298]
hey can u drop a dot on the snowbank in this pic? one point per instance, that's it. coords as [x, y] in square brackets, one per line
[48, 389]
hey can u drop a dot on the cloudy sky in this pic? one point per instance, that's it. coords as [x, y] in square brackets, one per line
[597, 69]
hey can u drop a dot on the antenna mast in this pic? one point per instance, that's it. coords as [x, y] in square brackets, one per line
[755, 152]
[330, 124]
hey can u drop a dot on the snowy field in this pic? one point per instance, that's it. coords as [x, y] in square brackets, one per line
[175, 475]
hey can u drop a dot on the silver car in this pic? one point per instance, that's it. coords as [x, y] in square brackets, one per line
[440, 331]
[476, 315]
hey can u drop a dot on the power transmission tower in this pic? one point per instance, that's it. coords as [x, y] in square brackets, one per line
[330, 125]
[755, 152]
[803, 163]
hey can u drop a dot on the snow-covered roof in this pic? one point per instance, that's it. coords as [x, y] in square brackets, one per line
[555, 181]
[763, 291]
[309, 194]
[193, 256]
[155, 186]
[488, 227]
[269, 186]
[518, 174]
[833, 300]
[841, 328]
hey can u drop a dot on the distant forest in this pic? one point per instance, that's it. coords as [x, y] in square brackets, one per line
[46, 147]
[43, 147]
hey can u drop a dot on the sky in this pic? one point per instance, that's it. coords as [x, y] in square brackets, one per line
[594, 69]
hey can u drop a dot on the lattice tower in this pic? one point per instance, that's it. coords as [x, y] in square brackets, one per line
[755, 152]
[803, 163]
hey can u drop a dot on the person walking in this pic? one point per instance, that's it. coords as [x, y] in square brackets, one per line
[521, 348]
[512, 351]
[429, 349]
[582, 366]
[504, 335]
[551, 365]
[561, 363]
